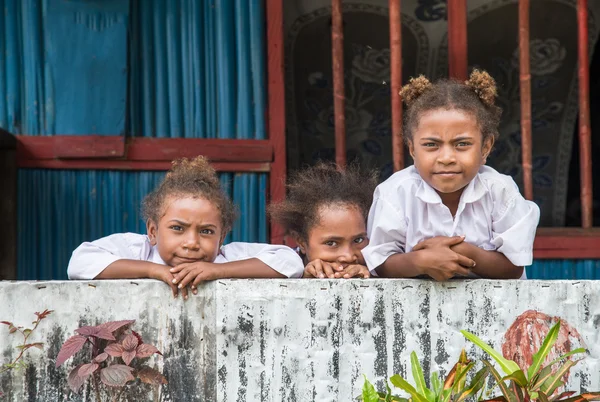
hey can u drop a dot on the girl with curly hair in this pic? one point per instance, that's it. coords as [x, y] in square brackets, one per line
[187, 218]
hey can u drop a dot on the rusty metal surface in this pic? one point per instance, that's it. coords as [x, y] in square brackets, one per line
[295, 340]
[525, 88]
[396, 84]
[339, 95]
[585, 133]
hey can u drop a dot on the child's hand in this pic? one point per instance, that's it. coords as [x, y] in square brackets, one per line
[194, 273]
[321, 269]
[435, 258]
[162, 273]
[354, 271]
[438, 241]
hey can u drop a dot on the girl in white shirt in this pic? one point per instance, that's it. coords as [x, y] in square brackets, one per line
[325, 212]
[187, 217]
[450, 215]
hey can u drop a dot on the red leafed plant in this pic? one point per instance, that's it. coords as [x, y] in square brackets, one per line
[18, 362]
[110, 345]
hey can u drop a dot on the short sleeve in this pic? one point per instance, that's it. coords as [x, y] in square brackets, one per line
[514, 223]
[91, 258]
[386, 228]
[281, 258]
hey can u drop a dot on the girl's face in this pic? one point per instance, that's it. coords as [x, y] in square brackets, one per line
[189, 230]
[448, 150]
[338, 237]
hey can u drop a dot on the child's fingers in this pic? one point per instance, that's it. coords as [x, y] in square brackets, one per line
[453, 241]
[328, 270]
[318, 269]
[465, 261]
[184, 293]
[173, 288]
[189, 277]
[309, 272]
[356, 271]
[179, 268]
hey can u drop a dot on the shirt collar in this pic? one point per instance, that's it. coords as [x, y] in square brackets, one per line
[473, 192]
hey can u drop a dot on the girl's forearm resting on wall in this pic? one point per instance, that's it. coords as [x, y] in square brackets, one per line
[490, 264]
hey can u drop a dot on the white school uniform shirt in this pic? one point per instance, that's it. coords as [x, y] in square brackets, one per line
[91, 258]
[491, 213]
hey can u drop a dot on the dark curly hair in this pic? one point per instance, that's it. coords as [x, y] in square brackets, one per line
[476, 96]
[323, 184]
[190, 178]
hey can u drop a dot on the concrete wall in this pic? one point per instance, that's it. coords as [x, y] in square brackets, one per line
[289, 340]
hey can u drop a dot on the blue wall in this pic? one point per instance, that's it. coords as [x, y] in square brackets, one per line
[154, 68]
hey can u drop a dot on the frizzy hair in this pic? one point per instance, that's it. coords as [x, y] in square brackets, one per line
[322, 185]
[190, 178]
[476, 96]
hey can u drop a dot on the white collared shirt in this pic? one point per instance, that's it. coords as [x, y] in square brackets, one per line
[91, 258]
[492, 214]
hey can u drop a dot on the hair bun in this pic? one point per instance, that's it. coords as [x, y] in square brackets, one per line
[484, 86]
[414, 89]
[199, 168]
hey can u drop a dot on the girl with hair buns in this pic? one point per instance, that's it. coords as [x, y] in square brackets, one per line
[449, 214]
[187, 218]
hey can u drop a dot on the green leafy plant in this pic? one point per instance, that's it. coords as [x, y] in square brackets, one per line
[453, 389]
[539, 381]
[17, 362]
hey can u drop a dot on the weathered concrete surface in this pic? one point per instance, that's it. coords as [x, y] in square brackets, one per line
[292, 340]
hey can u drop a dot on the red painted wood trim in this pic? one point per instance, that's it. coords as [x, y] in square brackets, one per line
[142, 149]
[396, 84]
[89, 146]
[457, 39]
[585, 132]
[276, 108]
[572, 243]
[525, 87]
[339, 95]
[123, 164]
[216, 150]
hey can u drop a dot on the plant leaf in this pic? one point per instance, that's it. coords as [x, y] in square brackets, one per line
[130, 342]
[588, 396]
[554, 382]
[401, 383]
[145, 350]
[495, 399]
[75, 382]
[571, 353]
[417, 373]
[449, 381]
[541, 397]
[510, 397]
[562, 395]
[368, 392]
[87, 369]
[10, 324]
[154, 377]
[69, 348]
[436, 384]
[101, 357]
[517, 390]
[128, 356]
[461, 375]
[508, 366]
[43, 314]
[540, 378]
[518, 377]
[114, 349]
[112, 326]
[116, 375]
[98, 331]
[540, 355]
[476, 384]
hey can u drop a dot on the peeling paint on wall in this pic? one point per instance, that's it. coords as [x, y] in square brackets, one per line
[290, 340]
